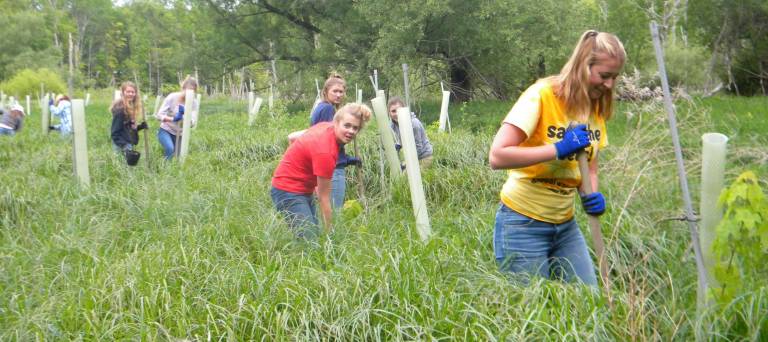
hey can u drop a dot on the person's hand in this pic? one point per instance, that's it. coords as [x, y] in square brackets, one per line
[181, 109]
[178, 116]
[594, 203]
[354, 161]
[574, 140]
[398, 147]
[142, 125]
[50, 102]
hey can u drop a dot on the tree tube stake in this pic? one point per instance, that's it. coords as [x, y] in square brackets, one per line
[690, 218]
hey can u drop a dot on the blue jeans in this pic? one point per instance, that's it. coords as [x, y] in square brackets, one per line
[299, 210]
[5, 131]
[168, 141]
[525, 245]
[338, 187]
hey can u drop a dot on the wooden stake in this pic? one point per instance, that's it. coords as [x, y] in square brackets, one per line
[359, 172]
[413, 169]
[594, 223]
[80, 143]
[406, 86]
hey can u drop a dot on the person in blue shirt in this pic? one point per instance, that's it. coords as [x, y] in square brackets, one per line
[334, 91]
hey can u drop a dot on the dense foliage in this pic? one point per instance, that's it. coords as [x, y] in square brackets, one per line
[479, 49]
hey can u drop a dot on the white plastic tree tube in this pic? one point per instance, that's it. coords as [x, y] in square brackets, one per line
[87, 99]
[116, 96]
[45, 118]
[382, 121]
[254, 111]
[80, 142]
[29, 108]
[359, 95]
[444, 111]
[189, 100]
[712, 174]
[418, 199]
[250, 102]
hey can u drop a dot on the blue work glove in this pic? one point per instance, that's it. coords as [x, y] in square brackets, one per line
[178, 117]
[398, 147]
[594, 203]
[181, 109]
[574, 140]
[354, 161]
[50, 102]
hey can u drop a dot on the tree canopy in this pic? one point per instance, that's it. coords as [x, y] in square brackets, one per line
[477, 48]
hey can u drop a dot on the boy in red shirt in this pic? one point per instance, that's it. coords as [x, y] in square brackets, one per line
[308, 163]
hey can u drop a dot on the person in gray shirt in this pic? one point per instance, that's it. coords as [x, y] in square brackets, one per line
[423, 146]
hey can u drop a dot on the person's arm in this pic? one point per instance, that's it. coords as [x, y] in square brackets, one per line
[324, 197]
[506, 153]
[593, 173]
[117, 128]
[55, 110]
[423, 148]
[164, 113]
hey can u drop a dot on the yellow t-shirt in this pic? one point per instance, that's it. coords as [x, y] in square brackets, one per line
[545, 191]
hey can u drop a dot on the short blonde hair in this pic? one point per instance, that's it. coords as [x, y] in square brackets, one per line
[357, 110]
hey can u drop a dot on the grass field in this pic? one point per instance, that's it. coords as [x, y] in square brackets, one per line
[196, 251]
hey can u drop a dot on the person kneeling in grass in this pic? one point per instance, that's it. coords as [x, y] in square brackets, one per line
[423, 146]
[125, 129]
[309, 162]
[11, 121]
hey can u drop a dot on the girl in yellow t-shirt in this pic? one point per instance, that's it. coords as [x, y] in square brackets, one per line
[535, 232]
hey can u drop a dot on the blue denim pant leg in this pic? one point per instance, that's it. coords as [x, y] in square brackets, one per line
[168, 141]
[299, 210]
[5, 131]
[527, 246]
[338, 187]
[570, 256]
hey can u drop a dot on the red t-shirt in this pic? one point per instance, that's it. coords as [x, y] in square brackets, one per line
[312, 155]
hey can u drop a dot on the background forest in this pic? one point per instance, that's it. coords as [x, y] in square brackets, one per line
[481, 49]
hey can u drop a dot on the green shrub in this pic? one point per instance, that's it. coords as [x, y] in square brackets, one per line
[686, 66]
[27, 82]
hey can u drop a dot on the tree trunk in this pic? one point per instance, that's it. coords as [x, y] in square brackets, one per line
[461, 87]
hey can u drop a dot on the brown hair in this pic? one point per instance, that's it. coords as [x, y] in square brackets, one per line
[571, 84]
[395, 100]
[189, 82]
[129, 107]
[333, 79]
[357, 110]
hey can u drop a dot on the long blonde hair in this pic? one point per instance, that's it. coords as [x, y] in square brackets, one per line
[131, 108]
[572, 84]
[333, 79]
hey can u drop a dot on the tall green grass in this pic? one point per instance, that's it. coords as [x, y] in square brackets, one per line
[196, 251]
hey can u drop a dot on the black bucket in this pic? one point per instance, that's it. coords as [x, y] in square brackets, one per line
[132, 157]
